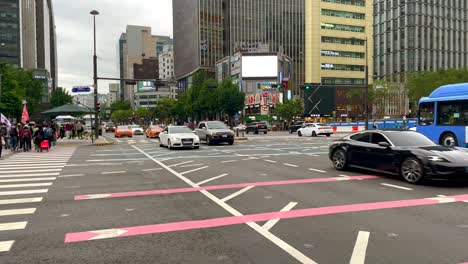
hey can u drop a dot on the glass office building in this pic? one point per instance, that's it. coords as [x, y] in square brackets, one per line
[10, 40]
[206, 31]
[413, 36]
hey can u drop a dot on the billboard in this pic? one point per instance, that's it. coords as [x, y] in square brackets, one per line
[146, 86]
[259, 66]
[319, 100]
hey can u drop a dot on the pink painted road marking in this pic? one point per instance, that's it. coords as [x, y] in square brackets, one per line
[218, 187]
[234, 220]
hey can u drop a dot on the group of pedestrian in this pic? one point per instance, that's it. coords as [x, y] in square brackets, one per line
[71, 130]
[20, 137]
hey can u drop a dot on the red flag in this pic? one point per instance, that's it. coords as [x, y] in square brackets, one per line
[25, 115]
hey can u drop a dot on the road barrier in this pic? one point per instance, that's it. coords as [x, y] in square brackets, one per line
[348, 127]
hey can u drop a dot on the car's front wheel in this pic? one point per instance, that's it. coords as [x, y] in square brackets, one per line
[169, 144]
[339, 159]
[412, 171]
[208, 140]
[314, 134]
[299, 133]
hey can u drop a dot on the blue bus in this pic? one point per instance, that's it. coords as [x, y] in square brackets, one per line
[443, 116]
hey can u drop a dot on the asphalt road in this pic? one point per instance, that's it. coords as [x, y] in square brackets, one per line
[271, 199]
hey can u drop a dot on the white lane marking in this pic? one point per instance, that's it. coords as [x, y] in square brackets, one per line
[396, 186]
[191, 165]
[29, 179]
[345, 176]
[108, 233]
[164, 154]
[112, 172]
[321, 171]
[197, 169]
[228, 161]
[24, 192]
[266, 234]
[29, 175]
[290, 165]
[229, 197]
[268, 225]
[71, 175]
[6, 245]
[359, 252]
[20, 201]
[17, 211]
[29, 171]
[177, 164]
[155, 169]
[17, 163]
[443, 199]
[212, 179]
[13, 226]
[31, 166]
[6, 186]
[271, 161]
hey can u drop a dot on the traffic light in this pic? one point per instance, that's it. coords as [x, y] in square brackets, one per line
[307, 87]
[278, 86]
[98, 107]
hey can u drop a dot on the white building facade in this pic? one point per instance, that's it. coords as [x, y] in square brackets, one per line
[166, 63]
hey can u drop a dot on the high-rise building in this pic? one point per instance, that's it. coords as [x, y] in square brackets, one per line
[27, 38]
[206, 31]
[412, 36]
[166, 63]
[114, 93]
[336, 36]
[135, 45]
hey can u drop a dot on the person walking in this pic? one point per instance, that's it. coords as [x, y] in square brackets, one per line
[79, 130]
[68, 130]
[2, 137]
[375, 125]
[38, 137]
[62, 131]
[13, 138]
[26, 137]
[48, 134]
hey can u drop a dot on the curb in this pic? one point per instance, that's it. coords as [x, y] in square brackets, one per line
[241, 139]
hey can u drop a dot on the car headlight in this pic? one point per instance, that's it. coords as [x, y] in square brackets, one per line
[437, 159]
[176, 139]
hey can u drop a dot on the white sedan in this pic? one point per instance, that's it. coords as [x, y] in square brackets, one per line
[178, 137]
[314, 129]
[136, 129]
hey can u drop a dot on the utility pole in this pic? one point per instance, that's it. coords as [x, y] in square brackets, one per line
[367, 88]
[94, 13]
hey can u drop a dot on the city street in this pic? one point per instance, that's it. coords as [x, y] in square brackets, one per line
[271, 199]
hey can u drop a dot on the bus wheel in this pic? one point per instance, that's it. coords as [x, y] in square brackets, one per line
[450, 140]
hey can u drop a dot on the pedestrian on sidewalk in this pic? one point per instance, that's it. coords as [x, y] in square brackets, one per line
[48, 134]
[62, 131]
[13, 138]
[68, 130]
[2, 137]
[79, 129]
[26, 137]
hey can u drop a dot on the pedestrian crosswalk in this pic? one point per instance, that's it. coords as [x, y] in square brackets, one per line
[24, 179]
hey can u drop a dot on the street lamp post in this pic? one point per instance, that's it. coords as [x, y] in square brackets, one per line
[366, 82]
[94, 13]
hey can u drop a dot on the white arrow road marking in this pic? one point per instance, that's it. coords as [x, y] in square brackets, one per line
[108, 233]
[359, 252]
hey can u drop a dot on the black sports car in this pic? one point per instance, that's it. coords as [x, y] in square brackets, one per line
[407, 153]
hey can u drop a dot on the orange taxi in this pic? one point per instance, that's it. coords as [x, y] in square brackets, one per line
[123, 131]
[154, 131]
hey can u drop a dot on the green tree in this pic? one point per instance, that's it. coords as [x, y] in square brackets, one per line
[120, 105]
[230, 99]
[166, 110]
[121, 116]
[290, 109]
[60, 97]
[18, 85]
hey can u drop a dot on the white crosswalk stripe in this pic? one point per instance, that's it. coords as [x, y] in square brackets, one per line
[22, 175]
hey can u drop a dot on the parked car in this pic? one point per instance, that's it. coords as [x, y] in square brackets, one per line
[214, 132]
[123, 131]
[410, 154]
[257, 127]
[137, 130]
[294, 127]
[109, 127]
[314, 129]
[178, 137]
[153, 131]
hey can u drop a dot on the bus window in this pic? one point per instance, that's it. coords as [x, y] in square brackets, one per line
[426, 114]
[451, 113]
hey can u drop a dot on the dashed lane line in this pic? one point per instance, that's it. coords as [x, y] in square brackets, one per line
[271, 161]
[268, 225]
[191, 165]
[197, 169]
[290, 165]
[230, 197]
[360, 248]
[181, 163]
[397, 187]
[228, 161]
[212, 179]
[321, 171]
[155, 169]
[71, 175]
[112, 172]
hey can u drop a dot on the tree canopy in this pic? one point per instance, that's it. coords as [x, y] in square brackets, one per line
[60, 97]
[290, 109]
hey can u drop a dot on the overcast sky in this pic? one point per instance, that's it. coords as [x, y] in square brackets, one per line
[75, 35]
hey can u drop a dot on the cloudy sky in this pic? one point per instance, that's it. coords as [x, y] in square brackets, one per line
[75, 35]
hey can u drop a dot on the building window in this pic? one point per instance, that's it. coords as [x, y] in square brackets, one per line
[341, 27]
[339, 81]
[336, 13]
[347, 41]
[347, 2]
[346, 54]
[341, 67]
